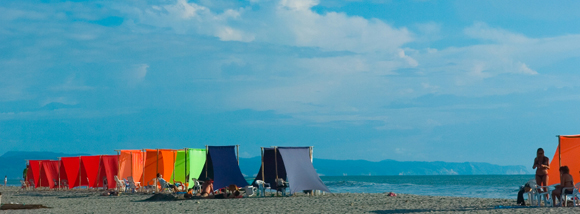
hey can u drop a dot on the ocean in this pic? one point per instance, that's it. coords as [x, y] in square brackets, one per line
[478, 186]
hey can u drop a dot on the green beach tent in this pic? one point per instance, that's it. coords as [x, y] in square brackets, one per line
[188, 162]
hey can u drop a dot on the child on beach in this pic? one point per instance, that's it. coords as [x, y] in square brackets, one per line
[566, 181]
[541, 164]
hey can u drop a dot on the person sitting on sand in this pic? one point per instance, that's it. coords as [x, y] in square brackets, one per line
[541, 164]
[566, 180]
[206, 188]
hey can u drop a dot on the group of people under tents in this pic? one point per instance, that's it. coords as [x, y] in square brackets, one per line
[554, 179]
[217, 166]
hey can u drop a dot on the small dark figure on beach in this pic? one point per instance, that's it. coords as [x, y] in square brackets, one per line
[541, 164]
[566, 180]
[5, 180]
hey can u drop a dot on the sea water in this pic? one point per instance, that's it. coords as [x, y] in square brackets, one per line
[479, 186]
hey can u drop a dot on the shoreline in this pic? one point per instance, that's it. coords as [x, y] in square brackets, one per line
[83, 201]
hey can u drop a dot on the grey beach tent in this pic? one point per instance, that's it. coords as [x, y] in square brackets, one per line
[293, 164]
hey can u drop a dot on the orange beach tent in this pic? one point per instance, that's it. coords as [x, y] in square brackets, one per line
[131, 164]
[158, 161]
[567, 154]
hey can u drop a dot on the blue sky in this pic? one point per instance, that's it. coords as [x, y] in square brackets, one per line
[484, 81]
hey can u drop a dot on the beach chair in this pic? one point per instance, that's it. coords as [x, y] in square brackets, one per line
[151, 185]
[196, 185]
[24, 184]
[31, 183]
[64, 184]
[165, 186]
[533, 195]
[543, 196]
[574, 195]
[56, 183]
[250, 191]
[281, 186]
[132, 185]
[262, 187]
[120, 184]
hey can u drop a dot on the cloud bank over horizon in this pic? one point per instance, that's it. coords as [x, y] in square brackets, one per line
[422, 81]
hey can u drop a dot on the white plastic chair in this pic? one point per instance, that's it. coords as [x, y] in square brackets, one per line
[533, 194]
[543, 196]
[262, 187]
[120, 184]
[574, 195]
[132, 185]
[250, 191]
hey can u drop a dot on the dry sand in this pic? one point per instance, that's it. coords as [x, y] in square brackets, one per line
[83, 201]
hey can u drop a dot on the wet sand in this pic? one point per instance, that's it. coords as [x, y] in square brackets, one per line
[83, 201]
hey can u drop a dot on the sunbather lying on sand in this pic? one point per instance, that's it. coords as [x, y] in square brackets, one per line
[111, 193]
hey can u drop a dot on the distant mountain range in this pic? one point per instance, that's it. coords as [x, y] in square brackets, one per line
[12, 163]
[326, 167]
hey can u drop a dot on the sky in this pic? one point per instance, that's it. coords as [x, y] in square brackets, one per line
[479, 81]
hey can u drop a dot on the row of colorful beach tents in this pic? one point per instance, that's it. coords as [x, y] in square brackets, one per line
[220, 163]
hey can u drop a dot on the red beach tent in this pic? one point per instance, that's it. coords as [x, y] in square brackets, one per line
[33, 173]
[89, 170]
[49, 174]
[567, 154]
[108, 169]
[69, 170]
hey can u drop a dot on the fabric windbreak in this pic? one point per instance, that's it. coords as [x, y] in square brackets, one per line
[49, 174]
[131, 164]
[270, 168]
[166, 163]
[225, 167]
[570, 147]
[180, 169]
[89, 170]
[69, 170]
[299, 169]
[188, 164]
[34, 172]
[150, 167]
[108, 170]
[195, 162]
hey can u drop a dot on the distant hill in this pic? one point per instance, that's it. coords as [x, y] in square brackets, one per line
[12, 163]
[250, 167]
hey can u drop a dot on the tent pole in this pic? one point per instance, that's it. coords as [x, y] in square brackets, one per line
[80, 172]
[262, 153]
[40, 174]
[185, 177]
[143, 157]
[119, 167]
[559, 153]
[59, 163]
[156, 168]
[99, 172]
[131, 155]
[311, 151]
[173, 174]
[206, 154]
[276, 161]
[238, 153]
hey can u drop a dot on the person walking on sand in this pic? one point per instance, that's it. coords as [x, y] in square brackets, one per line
[541, 164]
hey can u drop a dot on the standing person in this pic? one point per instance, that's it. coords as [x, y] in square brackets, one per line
[541, 164]
[566, 180]
[5, 180]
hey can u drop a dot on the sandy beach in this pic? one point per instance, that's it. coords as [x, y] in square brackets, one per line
[91, 202]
